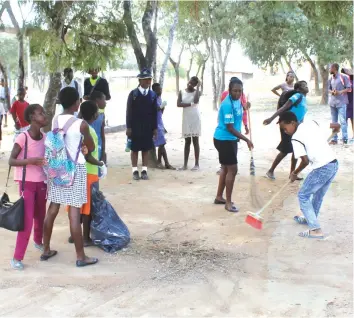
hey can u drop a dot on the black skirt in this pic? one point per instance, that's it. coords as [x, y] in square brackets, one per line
[285, 145]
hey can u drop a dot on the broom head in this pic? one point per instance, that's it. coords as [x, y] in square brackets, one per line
[254, 220]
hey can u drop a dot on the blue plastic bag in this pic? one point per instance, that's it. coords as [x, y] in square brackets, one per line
[108, 231]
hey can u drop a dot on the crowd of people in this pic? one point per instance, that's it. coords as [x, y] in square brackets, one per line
[80, 118]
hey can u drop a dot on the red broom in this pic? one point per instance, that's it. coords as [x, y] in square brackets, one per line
[255, 219]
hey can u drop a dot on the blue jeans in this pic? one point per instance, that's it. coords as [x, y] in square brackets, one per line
[313, 190]
[340, 113]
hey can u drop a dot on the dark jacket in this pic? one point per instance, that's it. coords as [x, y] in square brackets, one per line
[102, 86]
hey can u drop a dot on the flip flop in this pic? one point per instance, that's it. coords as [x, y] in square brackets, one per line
[216, 201]
[169, 167]
[270, 176]
[299, 179]
[84, 263]
[88, 244]
[232, 210]
[307, 234]
[45, 257]
[160, 166]
[300, 219]
[195, 168]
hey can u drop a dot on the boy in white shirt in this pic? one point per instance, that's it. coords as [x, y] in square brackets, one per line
[309, 145]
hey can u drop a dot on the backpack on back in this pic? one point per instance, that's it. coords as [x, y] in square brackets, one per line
[284, 97]
[61, 168]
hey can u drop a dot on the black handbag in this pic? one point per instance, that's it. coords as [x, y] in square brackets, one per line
[12, 214]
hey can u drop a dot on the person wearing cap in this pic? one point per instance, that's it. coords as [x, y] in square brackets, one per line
[141, 122]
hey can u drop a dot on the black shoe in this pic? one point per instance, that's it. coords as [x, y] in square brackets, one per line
[136, 175]
[144, 175]
[345, 141]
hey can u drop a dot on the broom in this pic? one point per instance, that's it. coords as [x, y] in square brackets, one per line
[252, 166]
[255, 219]
[336, 129]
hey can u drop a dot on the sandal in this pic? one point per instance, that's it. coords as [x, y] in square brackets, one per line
[88, 243]
[195, 168]
[233, 209]
[160, 166]
[169, 167]
[88, 261]
[223, 201]
[45, 257]
[300, 219]
[307, 234]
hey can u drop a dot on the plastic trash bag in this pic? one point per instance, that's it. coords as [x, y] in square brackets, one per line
[108, 231]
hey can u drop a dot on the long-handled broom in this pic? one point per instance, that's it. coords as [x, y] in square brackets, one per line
[255, 219]
[252, 166]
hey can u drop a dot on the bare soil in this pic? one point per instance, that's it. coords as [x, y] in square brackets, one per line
[189, 257]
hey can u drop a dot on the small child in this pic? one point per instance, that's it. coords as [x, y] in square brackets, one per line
[18, 111]
[160, 140]
[99, 124]
[311, 147]
[34, 187]
[89, 112]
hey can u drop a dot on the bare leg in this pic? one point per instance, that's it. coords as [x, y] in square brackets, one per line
[196, 152]
[229, 182]
[160, 154]
[48, 226]
[145, 158]
[76, 232]
[134, 158]
[187, 148]
[276, 161]
[86, 226]
[5, 120]
[221, 186]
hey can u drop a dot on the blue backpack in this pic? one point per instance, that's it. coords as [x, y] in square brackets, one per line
[61, 168]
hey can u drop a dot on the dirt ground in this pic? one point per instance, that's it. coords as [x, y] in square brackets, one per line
[189, 257]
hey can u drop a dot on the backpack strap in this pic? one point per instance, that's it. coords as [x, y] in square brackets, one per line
[69, 123]
[55, 123]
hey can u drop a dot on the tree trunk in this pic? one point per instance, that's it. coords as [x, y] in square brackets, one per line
[202, 77]
[51, 97]
[223, 65]
[324, 76]
[154, 66]
[170, 44]
[150, 37]
[21, 66]
[199, 68]
[282, 66]
[213, 82]
[4, 75]
[314, 72]
[190, 66]
[288, 63]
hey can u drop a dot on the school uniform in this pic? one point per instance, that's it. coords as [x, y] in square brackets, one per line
[98, 84]
[230, 112]
[308, 141]
[142, 118]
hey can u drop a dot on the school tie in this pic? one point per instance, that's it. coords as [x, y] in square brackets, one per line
[144, 92]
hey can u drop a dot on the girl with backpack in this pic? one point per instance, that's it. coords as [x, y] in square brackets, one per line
[294, 101]
[30, 176]
[67, 175]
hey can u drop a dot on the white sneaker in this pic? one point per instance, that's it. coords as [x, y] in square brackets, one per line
[17, 264]
[39, 247]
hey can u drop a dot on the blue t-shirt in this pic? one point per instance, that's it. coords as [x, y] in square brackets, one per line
[230, 112]
[299, 110]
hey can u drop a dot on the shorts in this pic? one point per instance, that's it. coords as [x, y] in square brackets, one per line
[285, 145]
[227, 151]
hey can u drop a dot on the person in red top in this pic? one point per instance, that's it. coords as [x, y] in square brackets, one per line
[18, 112]
[244, 103]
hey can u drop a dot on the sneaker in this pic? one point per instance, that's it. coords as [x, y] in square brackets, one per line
[144, 175]
[39, 247]
[345, 141]
[17, 264]
[136, 175]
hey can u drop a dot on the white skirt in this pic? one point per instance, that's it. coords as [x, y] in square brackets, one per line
[74, 196]
[191, 123]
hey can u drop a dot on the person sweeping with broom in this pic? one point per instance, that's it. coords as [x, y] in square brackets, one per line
[309, 145]
[226, 136]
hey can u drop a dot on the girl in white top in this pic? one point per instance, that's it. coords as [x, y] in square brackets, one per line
[288, 85]
[74, 196]
[191, 123]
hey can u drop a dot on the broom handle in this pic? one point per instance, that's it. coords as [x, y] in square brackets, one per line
[250, 128]
[273, 197]
[331, 136]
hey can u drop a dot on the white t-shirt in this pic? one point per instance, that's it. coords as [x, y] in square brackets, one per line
[73, 137]
[309, 141]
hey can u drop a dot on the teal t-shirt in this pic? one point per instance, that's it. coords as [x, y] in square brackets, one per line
[299, 110]
[230, 112]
